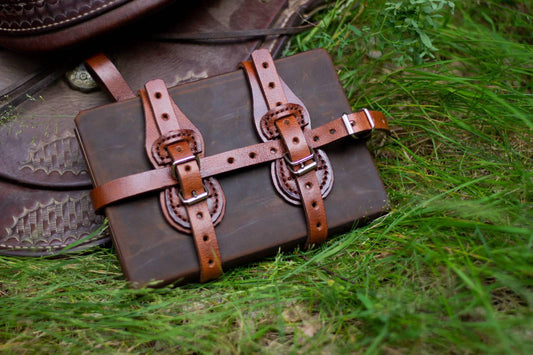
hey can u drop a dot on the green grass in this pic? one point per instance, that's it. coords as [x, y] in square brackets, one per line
[448, 270]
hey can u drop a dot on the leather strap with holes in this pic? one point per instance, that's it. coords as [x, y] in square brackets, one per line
[265, 118]
[357, 124]
[182, 151]
[300, 157]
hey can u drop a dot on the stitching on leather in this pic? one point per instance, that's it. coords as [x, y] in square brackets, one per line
[177, 205]
[55, 24]
[215, 195]
[60, 246]
[269, 128]
[323, 166]
[283, 170]
[285, 177]
[159, 152]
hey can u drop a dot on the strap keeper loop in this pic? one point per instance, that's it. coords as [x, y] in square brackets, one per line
[370, 119]
[348, 124]
[187, 159]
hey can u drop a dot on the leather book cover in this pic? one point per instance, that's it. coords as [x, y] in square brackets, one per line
[258, 221]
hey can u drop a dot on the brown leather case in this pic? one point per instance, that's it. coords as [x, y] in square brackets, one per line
[257, 221]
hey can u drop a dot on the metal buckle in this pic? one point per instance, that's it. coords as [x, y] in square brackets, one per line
[370, 119]
[349, 127]
[196, 198]
[181, 161]
[303, 167]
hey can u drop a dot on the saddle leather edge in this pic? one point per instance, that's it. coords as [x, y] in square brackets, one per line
[82, 32]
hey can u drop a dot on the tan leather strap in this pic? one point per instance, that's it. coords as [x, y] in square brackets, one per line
[300, 157]
[355, 124]
[203, 231]
[108, 77]
[306, 181]
[186, 172]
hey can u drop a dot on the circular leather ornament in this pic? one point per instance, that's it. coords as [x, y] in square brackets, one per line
[285, 184]
[176, 214]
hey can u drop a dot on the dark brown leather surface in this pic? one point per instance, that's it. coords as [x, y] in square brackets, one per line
[25, 17]
[47, 25]
[257, 220]
[37, 142]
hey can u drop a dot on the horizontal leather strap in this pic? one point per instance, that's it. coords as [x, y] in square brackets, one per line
[157, 179]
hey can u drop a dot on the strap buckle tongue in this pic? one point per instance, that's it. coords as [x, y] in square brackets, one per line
[195, 198]
[175, 163]
[301, 163]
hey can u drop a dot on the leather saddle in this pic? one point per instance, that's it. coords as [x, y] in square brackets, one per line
[44, 184]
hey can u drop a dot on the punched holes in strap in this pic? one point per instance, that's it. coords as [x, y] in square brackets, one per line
[192, 191]
[354, 124]
[193, 195]
[300, 156]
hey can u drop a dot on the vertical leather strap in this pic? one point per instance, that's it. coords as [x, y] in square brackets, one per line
[108, 77]
[301, 157]
[186, 171]
[203, 231]
[308, 185]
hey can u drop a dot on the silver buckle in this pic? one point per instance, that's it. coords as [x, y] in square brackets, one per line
[195, 197]
[349, 127]
[370, 119]
[301, 162]
[181, 161]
